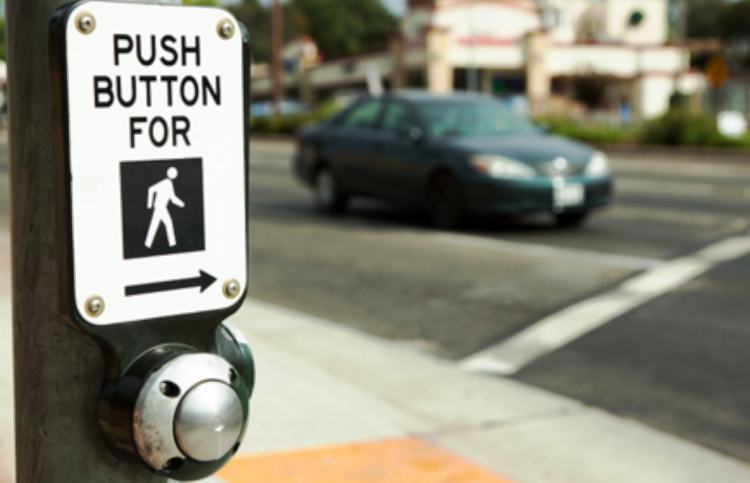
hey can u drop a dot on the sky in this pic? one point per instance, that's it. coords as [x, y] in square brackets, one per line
[396, 6]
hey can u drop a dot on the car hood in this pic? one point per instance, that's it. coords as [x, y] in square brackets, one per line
[528, 149]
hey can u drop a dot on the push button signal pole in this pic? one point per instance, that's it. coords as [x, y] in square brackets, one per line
[149, 122]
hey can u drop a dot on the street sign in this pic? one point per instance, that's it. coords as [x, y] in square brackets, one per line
[156, 161]
[717, 72]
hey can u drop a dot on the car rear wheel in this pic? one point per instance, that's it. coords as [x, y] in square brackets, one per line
[328, 196]
[445, 203]
[572, 220]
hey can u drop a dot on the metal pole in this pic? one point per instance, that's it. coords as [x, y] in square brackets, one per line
[682, 25]
[277, 27]
[58, 372]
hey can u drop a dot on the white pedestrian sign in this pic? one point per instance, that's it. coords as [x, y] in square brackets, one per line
[156, 161]
[160, 196]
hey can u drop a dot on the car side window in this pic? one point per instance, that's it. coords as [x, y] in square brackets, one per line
[364, 116]
[397, 118]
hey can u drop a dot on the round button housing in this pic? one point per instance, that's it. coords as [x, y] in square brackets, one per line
[191, 411]
[209, 421]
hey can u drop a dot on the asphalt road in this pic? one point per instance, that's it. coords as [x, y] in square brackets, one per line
[678, 363]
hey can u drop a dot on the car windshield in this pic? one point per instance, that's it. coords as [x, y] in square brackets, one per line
[473, 119]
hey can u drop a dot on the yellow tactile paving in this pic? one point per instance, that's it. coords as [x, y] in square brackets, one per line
[408, 460]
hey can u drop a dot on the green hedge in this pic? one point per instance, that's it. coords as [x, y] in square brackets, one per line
[293, 123]
[590, 133]
[679, 127]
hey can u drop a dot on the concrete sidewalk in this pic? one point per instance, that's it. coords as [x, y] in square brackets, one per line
[333, 404]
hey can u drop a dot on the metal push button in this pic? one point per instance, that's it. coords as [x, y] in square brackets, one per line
[209, 421]
[190, 415]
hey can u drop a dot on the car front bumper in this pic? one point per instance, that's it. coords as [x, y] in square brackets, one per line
[490, 196]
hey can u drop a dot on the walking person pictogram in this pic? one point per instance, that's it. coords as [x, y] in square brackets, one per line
[158, 192]
[159, 197]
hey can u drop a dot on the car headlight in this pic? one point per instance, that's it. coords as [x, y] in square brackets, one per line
[501, 167]
[598, 166]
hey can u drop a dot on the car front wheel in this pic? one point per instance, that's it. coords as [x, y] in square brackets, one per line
[328, 196]
[445, 203]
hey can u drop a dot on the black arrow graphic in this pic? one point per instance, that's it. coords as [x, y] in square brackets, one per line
[203, 281]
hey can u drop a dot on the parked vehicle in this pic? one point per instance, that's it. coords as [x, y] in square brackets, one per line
[453, 155]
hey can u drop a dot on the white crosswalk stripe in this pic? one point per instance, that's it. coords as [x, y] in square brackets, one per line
[559, 329]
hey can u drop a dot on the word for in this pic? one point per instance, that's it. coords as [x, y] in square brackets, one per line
[158, 130]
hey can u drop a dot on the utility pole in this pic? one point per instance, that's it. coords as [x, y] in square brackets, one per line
[58, 371]
[277, 28]
[682, 22]
[472, 73]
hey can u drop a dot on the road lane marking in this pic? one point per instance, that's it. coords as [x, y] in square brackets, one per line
[558, 330]
[725, 250]
[404, 460]
[545, 251]
[674, 188]
[674, 217]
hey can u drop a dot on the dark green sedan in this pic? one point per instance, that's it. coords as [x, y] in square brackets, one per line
[453, 155]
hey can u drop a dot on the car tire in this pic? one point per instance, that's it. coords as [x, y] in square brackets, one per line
[328, 196]
[572, 220]
[446, 207]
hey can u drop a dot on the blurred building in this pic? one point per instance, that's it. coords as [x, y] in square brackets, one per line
[560, 55]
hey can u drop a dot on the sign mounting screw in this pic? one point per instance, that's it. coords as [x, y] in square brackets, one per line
[225, 28]
[94, 306]
[85, 22]
[231, 289]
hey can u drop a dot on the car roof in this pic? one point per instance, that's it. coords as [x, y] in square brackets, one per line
[420, 96]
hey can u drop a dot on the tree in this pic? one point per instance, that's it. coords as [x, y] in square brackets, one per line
[705, 18]
[734, 22]
[257, 20]
[341, 27]
[734, 30]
